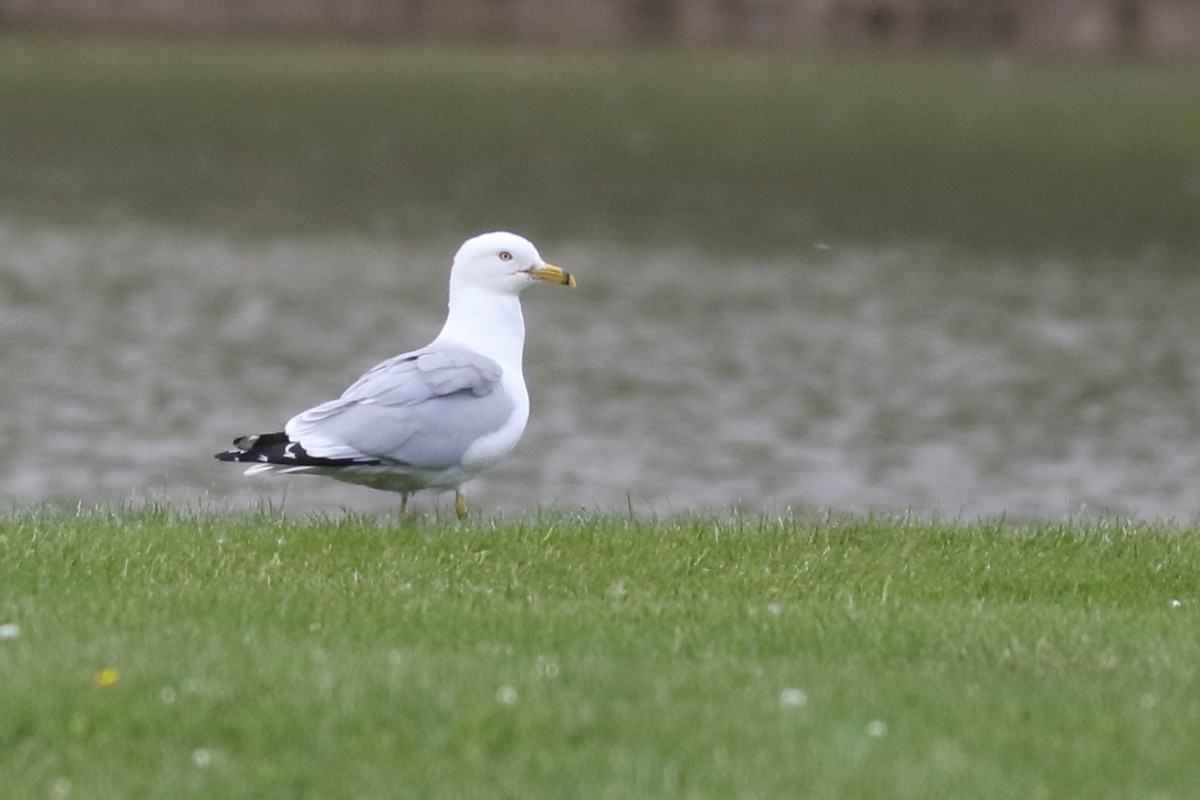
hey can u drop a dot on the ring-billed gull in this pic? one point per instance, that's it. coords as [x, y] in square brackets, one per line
[431, 418]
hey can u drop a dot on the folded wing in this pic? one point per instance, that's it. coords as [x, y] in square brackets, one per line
[423, 409]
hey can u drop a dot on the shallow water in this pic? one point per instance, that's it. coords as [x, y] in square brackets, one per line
[843, 379]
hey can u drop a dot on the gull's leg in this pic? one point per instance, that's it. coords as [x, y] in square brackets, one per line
[403, 505]
[460, 504]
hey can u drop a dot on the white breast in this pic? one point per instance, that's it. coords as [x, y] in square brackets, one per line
[489, 449]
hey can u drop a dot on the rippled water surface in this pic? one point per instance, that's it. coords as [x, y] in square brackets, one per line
[959, 284]
[836, 378]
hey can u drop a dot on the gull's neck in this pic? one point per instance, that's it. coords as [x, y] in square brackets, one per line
[487, 322]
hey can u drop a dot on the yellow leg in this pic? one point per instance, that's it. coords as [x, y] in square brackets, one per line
[460, 504]
[403, 506]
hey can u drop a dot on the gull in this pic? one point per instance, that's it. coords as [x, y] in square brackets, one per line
[431, 418]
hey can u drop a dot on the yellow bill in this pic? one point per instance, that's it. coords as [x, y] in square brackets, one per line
[553, 274]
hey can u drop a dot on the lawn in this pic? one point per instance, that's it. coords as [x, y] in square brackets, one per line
[166, 654]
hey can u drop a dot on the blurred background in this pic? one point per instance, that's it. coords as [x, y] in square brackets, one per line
[937, 256]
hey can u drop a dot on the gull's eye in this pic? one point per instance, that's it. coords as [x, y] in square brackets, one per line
[505, 255]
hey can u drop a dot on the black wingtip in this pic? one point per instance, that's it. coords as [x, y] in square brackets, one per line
[255, 447]
[277, 448]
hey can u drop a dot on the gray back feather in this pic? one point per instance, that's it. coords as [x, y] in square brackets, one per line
[423, 408]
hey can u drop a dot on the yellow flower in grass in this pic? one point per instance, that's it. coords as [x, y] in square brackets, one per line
[106, 677]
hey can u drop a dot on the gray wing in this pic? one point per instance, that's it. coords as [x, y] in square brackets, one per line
[423, 408]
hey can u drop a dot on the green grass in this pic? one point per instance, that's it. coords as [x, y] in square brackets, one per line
[730, 149]
[597, 657]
